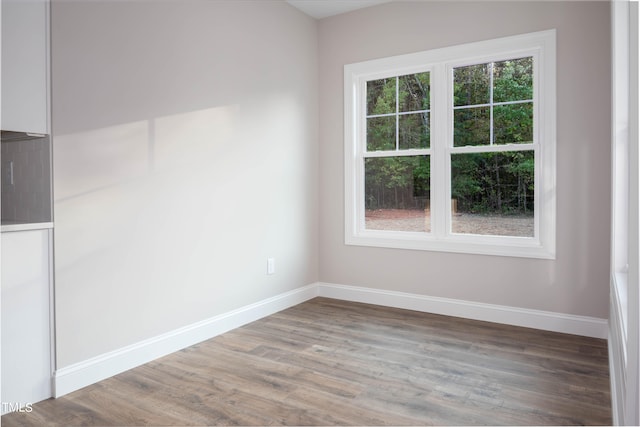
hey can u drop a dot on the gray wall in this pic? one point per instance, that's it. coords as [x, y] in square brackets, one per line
[185, 154]
[194, 139]
[577, 281]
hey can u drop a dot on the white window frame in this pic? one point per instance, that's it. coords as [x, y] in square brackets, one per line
[440, 63]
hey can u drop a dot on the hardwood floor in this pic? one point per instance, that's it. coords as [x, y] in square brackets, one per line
[329, 362]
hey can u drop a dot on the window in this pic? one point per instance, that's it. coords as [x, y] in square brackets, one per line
[454, 149]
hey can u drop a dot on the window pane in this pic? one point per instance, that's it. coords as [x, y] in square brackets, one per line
[414, 131]
[492, 193]
[513, 80]
[381, 96]
[381, 133]
[513, 123]
[397, 193]
[471, 85]
[471, 126]
[414, 92]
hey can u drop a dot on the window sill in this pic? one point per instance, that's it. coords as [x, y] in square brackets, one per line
[520, 247]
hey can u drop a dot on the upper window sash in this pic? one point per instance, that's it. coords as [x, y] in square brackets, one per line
[534, 100]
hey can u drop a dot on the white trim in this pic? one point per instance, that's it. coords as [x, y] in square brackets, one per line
[537, 319]
[617, 352]
[52, 313]
[439, 63]
[26, 227]
[614, 384]
[87, 372]
[624, 359]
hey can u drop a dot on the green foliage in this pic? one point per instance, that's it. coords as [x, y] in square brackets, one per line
[500, 183]
[481, 182]
[512, 124]
[413, 131]
[381, 133]
[471, 85]
[471, 126]
[413, 91]
[381, 96]
[397, 182]
[513, 80]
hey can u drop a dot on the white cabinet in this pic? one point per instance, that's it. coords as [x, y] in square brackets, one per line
[26, 331]
[25, 255]
[25, 70]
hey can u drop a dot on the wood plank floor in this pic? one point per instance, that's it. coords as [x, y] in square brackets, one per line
[329, 362]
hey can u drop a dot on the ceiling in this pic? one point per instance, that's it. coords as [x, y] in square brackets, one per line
[323, 8]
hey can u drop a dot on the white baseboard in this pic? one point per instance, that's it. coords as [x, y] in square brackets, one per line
[82, 374]
[537, 319]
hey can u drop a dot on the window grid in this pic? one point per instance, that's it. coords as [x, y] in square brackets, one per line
[535, 45]
[491, 105]
[397, 113]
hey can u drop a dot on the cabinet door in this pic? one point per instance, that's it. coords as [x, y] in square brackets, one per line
[26, 342]
[25, 65]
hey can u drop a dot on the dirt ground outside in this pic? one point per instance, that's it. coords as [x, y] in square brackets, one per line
[465, 223]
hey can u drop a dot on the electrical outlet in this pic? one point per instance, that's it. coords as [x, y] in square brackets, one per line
[271, 265]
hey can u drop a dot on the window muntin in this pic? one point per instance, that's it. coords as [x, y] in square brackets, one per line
[510, 107]
[398, 112]
[493, 102]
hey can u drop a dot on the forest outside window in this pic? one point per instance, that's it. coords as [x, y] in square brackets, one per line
[454, 149]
